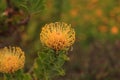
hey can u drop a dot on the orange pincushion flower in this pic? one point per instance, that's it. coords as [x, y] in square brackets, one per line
[74, 12]
[57, 35]
[114, 30]
[99, 12]
[94, 1]
[11, 59]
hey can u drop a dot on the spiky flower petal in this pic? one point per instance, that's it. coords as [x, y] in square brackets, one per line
[57, 35]
[11, 59]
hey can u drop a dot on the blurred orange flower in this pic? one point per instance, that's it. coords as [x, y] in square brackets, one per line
[114, 30]
[103, 28]
[94, 1]
[99, 12]
[74, 12]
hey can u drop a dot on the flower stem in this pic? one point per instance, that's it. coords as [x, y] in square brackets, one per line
[8, 77]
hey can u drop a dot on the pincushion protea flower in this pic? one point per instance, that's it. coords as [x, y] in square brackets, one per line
[11, 59]
[57, 35]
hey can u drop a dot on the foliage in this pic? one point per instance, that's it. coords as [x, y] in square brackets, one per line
[32, 6]
[19, 75]
[49, 64]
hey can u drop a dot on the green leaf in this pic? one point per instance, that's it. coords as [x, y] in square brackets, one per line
[32, 6]
[49, 64]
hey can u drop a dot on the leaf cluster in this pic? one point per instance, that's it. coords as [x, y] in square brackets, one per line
[49, 64]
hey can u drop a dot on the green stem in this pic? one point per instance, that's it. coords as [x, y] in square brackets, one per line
[8, 77]
[45, 75]
[4, 77]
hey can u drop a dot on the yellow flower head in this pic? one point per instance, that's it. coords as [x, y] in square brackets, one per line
[57, 35]
[11, 59]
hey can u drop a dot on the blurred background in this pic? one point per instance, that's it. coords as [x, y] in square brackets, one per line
[96, 52]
